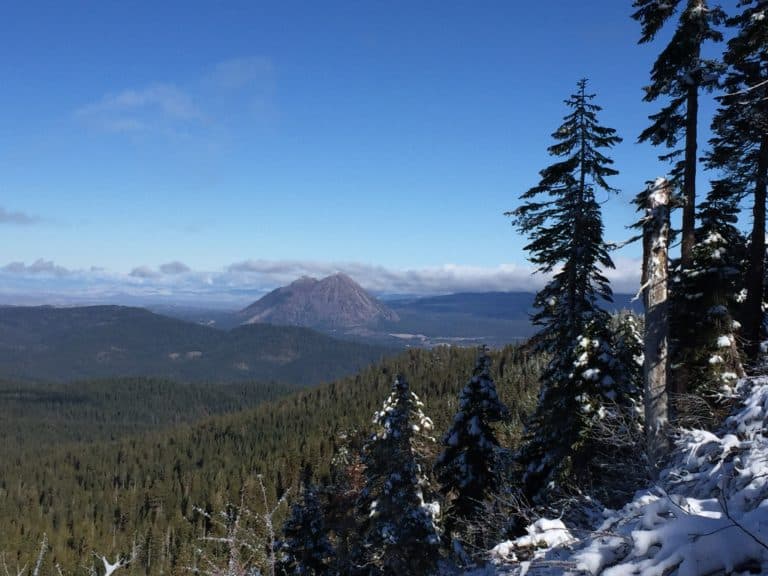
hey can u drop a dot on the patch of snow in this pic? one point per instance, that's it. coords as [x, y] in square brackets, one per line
[708, 514]
[591, 374]
[713, 238]
[724, 341]
[543, 534]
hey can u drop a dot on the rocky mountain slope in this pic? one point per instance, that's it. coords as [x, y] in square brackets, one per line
[336, 302]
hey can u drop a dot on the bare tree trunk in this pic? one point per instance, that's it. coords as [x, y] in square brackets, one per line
[689, 178]
[656, 363]
[680, 380]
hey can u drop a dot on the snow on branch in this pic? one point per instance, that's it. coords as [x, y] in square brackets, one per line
[120, 562]
[708, 513]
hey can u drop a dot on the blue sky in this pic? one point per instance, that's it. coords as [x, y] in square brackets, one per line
[247, 143]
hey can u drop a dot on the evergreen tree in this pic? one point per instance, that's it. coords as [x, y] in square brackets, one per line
[740, 146]
[346, 483]
[711, 289]
[628, 351]
[678, 75]
[305, 548]
[468, 468]
[562, 219]
[399, 529]
[615, 430]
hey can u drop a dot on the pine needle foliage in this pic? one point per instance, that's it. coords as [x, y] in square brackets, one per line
[306, 549]
[710, 292]
[678, 76]
[469, 468]
[679, 72]
[739, 149]
[562, 219]
[399, 526]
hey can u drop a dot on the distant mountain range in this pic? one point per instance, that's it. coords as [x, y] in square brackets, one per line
[504, 305]
[269, 340]
[333, 303]
[338, 306]
[63, 344]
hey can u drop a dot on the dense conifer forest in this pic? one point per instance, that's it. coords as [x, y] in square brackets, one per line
[124, 488]
[35, 414]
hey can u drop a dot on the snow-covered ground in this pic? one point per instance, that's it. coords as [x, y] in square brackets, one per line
[708, 514]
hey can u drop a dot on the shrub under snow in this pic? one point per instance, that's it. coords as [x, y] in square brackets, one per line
[707, 515]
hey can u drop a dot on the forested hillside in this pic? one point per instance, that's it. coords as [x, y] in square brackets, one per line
[33, 415]
[63, 344]
[102, 495]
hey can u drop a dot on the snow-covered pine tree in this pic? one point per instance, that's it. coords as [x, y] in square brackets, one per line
[468, 468]
[628, 351]
[711, 288]
[398, 524]
[678, 75]
[740, 146]
[616, 442]
[561, 217]
[305, 548]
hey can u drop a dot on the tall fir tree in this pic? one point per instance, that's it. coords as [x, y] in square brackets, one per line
[469, 469]
[398, 523]
[678, 75]
[561, 216]
[740, 146]
[305, 549]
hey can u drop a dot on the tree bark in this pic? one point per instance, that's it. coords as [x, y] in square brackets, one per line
[753, 314]
[689, 178]
[656, 359]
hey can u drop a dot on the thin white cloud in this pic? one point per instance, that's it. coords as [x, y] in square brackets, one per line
[241, 90]
[429, 280]
[226, 90]
[239, 73]
[17, 218]
[140, 109]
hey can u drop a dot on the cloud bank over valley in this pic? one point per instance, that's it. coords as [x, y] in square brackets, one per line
[238, 284]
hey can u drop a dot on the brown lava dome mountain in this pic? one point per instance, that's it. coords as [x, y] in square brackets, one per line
[333, 302]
